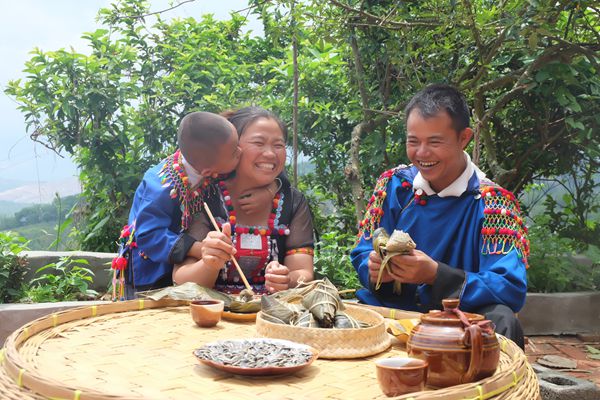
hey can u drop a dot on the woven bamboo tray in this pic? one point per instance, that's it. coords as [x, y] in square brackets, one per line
[143, 349]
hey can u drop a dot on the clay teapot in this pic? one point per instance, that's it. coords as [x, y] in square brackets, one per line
[459, 347]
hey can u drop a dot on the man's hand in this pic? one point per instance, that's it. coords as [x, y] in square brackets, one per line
[217, 247]
[416, 267]
[374, 264]
[277, 277]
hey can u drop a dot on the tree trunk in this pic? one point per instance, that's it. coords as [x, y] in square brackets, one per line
[295, 101]
[352, 171]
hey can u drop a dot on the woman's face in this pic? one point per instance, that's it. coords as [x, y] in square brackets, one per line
[263, 151]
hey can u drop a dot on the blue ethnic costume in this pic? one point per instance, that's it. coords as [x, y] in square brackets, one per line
[289, 230]
[472, 229]
[155, 239]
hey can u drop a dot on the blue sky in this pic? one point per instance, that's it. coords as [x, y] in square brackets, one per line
[51, 25]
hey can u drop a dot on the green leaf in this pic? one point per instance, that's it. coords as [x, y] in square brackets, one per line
[592, 350]
[97, 227]
[532, 41]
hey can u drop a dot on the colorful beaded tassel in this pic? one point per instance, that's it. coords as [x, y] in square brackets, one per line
[173, 174]
[503, 228]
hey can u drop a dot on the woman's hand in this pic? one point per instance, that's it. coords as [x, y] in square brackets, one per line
[217, 248]
[374, 264]
[277, 277]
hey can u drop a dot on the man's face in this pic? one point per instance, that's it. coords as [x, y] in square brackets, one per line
[435, 148]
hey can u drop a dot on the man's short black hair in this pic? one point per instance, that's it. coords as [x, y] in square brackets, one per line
[441, 97]
[199, 134]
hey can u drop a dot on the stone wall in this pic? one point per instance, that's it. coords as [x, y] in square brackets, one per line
[561, 313]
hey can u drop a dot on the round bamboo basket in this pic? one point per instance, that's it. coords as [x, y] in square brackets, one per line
[335, 343]
[143, 349]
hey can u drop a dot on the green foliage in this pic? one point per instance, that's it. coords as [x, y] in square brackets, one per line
[332, 259]
[576, 213]
[553, 268]
[12, 266]
[116, 110]
[66, 280]
[332, 250]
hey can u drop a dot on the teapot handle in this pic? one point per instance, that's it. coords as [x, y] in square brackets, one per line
[476, 344]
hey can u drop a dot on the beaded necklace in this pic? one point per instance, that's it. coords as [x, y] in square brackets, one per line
[228, 280]
[173, 174]
[272, 228]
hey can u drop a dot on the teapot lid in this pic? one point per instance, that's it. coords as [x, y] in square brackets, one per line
[451, 315]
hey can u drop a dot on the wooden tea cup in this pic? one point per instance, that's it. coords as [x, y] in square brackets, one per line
[401, 375]
[206, 313]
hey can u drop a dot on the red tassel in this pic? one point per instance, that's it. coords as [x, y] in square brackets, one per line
[119, 263]
[125, 232]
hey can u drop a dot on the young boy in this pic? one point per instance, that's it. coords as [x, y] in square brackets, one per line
[170, 194]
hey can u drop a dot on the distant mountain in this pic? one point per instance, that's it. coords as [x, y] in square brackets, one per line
[10, 207]
[6, 184]
[42, 193]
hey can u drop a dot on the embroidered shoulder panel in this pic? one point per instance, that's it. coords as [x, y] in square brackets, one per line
[503, 228]
[173, 175]
[374, 210]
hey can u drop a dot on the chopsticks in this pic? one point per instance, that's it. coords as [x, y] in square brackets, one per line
[237, 266]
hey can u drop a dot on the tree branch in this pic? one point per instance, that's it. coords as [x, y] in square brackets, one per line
[378, 21]
[352, 170]
[360, 75]
[156, 12]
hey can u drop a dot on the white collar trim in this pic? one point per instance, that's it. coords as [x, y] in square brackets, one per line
[194, 177]
[456, 188]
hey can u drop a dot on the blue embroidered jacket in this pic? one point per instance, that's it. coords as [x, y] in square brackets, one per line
[156, 216]
[480, 249]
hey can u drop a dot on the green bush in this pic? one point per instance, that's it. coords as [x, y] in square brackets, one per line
[12, 266]
[65, 280]
[552, 267]
[332, 259]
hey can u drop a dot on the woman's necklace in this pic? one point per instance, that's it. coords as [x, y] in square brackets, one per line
[272, 228]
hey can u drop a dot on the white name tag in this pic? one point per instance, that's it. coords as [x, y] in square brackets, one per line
[250, 241]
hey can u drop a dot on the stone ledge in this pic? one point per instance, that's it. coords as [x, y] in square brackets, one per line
[561, 313]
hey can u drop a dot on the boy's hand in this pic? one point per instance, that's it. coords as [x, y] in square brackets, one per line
[254, 200]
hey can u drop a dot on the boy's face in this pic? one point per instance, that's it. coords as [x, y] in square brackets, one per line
[226, 158]
[436, 148]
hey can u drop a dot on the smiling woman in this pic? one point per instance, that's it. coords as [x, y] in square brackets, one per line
[272, 240]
